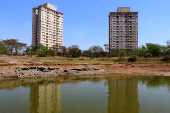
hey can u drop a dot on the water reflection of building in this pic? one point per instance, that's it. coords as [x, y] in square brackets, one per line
[123, 96]
[45, 98]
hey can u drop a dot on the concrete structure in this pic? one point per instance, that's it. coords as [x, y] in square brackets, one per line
[47, 26]
[123, 29]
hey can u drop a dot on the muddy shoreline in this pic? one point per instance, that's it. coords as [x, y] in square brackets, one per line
[15, 71]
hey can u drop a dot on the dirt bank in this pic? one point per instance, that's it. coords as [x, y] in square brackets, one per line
[25, 66]
[77, 70]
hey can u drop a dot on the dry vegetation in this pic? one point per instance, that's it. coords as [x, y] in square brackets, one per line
[20, 60]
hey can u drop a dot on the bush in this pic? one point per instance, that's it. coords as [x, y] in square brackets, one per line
[74, 51]
[3, 49]
[132, 59]
[42, 51]
[166, 59]
[51, 52]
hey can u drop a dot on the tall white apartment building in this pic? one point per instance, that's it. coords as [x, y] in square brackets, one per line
[47, 26]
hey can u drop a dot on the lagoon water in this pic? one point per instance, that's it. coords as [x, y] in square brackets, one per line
[114, 95]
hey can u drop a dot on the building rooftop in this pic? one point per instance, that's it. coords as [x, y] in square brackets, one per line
[50, 6]
[123, 9]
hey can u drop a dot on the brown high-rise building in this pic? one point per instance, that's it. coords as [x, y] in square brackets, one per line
[123, 29]
[47, 26]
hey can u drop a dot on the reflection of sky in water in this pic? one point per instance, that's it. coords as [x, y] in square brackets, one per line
[14, 101]
[154, 100]
[106, 96]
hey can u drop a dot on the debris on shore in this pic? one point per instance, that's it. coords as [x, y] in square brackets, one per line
[43, 71]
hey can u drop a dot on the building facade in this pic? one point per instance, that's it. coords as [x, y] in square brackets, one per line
[47, 26]
[123, 29]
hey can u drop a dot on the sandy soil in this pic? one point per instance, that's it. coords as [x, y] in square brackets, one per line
[20, 67]
[97, 70]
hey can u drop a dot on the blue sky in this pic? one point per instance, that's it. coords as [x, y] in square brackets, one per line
[86, 21]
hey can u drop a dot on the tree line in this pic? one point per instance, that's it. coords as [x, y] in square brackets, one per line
[14, 47]
[11, 47]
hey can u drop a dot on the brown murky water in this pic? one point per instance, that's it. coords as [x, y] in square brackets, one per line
[134, 95]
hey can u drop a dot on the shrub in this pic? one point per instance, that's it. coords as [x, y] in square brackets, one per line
[51, 52]
[3, 49]
[74, 51]
[42, 52]
[165, 59]
[132, 59]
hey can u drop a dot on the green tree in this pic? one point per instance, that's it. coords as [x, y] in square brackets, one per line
[165, 54]
[3, 49]
[62, 51]
[166, 51]
[96, 51]
[42, 51]
[142, 52]
[121, 55]
[86, 53]
[153, 49]
[32, 50]
[74, 51]
[51, 52]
